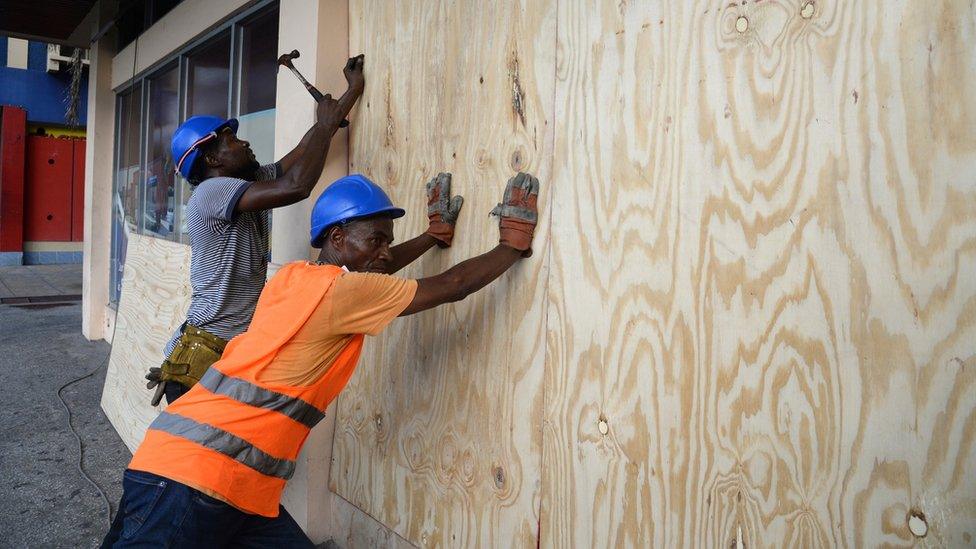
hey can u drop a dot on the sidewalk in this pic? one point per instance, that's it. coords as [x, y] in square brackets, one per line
[46, 502]
[40, 283]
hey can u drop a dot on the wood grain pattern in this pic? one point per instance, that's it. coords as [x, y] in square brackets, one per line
[438, 435]
[762, 301]
[155, 296]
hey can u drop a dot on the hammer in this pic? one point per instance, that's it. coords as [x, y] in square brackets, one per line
[285, 60]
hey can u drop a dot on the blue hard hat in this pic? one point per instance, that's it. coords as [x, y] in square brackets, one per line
[196, 131]
[350, 197]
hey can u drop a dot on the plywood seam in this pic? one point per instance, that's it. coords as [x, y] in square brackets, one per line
[551, 205]
[379, 520]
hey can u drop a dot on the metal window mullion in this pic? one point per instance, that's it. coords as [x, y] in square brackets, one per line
[117, 153]
[233, 74]
[182, 67]
[184, 91]
[143, 154]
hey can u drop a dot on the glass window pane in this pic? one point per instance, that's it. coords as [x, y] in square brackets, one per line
[207, 88]
[259, 62]
[160, 181]
[209, 78]
[259, 66]
[125, 198]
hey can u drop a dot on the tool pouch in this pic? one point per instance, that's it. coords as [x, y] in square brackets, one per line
[195, 352]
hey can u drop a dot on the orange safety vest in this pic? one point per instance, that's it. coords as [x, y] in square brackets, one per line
[235, 436]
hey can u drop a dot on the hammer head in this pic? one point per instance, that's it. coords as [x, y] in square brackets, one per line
[286, 58]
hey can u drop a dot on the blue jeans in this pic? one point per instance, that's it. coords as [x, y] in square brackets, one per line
[158, 512]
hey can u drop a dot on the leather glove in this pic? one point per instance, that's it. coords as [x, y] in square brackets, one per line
[518, 213]
[155, 377]
[442, 209]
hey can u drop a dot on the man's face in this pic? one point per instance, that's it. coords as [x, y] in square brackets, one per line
[234, 155]
[364, 245]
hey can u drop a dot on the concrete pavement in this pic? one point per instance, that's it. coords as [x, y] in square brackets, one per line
[45, 501]
[24, 281]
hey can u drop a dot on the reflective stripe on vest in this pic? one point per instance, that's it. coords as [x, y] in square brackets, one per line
[221, 441]
[253, 395]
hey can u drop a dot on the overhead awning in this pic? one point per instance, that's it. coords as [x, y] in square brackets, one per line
[52, 21]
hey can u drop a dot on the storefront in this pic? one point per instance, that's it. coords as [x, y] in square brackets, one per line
[229, 72]
[156, 63]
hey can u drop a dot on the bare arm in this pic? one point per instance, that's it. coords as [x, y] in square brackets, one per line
[462, 280]
[303, 170]
[518, 213]
[408, 252]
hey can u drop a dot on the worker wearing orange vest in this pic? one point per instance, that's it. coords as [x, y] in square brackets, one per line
[212, 467]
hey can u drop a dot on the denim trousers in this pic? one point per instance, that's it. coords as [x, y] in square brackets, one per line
[158, 512]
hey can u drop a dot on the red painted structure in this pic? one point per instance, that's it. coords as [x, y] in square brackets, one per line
[78, 192]
[47, 197]
[42, 186]
[13, 126]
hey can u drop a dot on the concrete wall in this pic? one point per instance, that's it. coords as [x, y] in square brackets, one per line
[96, 315]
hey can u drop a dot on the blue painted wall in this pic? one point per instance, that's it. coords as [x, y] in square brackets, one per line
[44, 96]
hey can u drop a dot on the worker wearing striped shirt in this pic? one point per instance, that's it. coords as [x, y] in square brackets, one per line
[227, 219]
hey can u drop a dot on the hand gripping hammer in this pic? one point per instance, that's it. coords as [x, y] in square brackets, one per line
[285, 60]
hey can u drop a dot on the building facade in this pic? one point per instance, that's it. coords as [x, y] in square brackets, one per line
[43, 152]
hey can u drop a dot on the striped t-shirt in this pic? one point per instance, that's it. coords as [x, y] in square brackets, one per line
[228, 256]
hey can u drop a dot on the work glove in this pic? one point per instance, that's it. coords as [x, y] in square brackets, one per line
[155, 377]
[518, 213]
[442, 209]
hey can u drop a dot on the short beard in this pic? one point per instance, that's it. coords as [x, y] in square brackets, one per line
[250, 171]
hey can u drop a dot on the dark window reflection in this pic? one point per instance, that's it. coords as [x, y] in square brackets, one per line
[125, 199]
[209, 78]
[160, 197]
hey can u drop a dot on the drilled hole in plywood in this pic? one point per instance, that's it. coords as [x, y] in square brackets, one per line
[741, 24]
[807, 10]
[917, 523]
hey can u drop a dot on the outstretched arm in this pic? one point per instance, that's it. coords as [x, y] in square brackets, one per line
[442, 212]
[518, 216]
[462, 280]
[302, 167]
[408, 252]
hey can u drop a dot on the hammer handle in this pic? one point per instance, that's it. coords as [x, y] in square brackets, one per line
[317, 95]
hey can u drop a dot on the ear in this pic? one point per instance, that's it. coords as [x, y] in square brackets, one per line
[336, 237]
[211, 160]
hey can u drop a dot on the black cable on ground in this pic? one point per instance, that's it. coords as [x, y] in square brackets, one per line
[81, 445]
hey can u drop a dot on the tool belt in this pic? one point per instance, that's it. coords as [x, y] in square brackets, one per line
[196, 350]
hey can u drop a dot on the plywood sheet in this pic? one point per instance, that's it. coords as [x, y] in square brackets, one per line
[155, 296]
[762, 301]
[438, 435]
